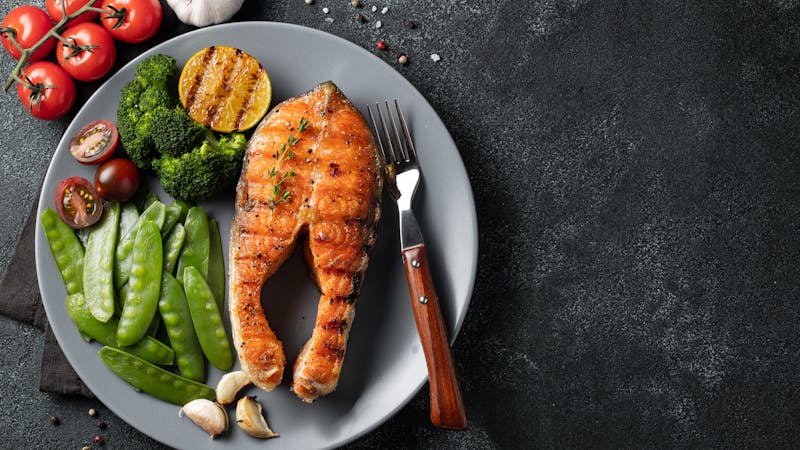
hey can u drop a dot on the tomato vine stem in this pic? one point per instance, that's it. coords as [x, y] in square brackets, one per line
[26, 53]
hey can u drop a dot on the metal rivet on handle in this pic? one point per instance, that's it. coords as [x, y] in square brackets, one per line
[423, 299]
[415, 264]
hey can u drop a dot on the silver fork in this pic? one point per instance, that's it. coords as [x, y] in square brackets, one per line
[402, 175]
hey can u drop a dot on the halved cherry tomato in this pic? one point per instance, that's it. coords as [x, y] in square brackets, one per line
[78, 203]
[54, 8]
[95, 143]
[117, 180]
[133, 21]
[87, 51]
[48, 92]
[28, 24]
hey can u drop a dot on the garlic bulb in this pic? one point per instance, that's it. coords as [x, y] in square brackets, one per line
[201, 13]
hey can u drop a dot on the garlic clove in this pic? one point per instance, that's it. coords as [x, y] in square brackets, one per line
[207, 415]
[230, 384]
[250, 419]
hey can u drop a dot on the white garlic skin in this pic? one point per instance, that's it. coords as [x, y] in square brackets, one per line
[207, 415]
[201, 13]
[229, 385]
[250, 419]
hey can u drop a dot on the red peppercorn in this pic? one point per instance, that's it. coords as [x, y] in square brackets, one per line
[382, 45]
[98, 439]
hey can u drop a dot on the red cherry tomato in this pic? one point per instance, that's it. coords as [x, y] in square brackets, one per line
[134, 21]
[77, 202]
[54, 8]
[29, 24]
[88, 53]
[117, 180]
[95, 143]
[48, 92]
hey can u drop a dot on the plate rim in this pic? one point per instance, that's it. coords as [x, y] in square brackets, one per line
[39, 239]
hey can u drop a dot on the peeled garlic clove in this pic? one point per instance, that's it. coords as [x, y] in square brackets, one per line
[207, 415]
[250, 420]
[230, 385]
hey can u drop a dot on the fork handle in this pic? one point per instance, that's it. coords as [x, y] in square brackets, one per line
[447, 406]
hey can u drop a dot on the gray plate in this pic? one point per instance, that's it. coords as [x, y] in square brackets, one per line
[384, 366]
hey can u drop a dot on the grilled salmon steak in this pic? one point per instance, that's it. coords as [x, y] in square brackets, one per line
[312, 167]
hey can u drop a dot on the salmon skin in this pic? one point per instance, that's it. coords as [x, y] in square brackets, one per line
[327, 185]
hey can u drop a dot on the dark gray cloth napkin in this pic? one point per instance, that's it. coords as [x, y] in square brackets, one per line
[20, 300]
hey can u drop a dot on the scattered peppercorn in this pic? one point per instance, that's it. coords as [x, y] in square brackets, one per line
[92, 412]
[308, 2]
[86, 447]
[98, 439]
[381, 45]
[54, 420]
[403, 59]
[100, 424]
[410, 24]
[360, 18]
[356, 3]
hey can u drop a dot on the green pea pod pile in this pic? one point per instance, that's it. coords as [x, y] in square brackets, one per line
[133, 274]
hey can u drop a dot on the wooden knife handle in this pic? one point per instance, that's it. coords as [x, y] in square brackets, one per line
[447, 406]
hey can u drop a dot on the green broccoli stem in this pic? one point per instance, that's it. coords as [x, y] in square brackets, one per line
[211, 139]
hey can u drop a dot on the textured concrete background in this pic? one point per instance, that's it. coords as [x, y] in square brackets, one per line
[636, 178]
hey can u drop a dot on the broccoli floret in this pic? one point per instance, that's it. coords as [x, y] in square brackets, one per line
[191, 176]
[129, 96]
[204, 171]
[156, 70]
[155, 97]
[174, 132]
[232, 148]
[138, 99]
[140, 150]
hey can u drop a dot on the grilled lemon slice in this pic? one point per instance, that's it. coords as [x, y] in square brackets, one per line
[225, 89]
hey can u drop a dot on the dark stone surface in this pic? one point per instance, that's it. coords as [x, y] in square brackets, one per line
[635, 170]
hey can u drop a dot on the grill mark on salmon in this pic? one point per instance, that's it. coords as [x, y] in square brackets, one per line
[335, 200]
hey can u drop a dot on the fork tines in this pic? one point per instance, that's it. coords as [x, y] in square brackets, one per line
[399, 148]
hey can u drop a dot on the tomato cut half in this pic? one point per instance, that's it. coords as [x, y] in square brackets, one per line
[95, 143]
[78, 203]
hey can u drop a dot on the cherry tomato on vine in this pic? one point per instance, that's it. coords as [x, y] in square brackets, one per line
[54, 8]
[117, 180]
[27, 24]
[133, 21]
[95, 143]
[87, 52]
[78, 203]
[47, 90]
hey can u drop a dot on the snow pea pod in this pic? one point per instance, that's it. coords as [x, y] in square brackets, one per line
[184, 209]
[128, 217]
[207, 320]
[172, 248]
[178, 321]
[98, 273]
[66, 248]
[216, 264]
[105, 333]
[156, 212]
[144, 285]
[195, 247]
[172, 214]
[152, 379]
